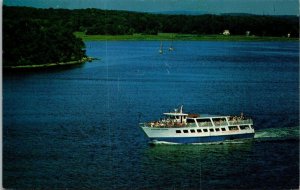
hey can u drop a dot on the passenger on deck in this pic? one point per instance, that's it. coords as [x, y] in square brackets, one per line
[242, 115]
[235, 119]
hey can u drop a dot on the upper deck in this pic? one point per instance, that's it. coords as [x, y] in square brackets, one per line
[175, 120]
[179, 119]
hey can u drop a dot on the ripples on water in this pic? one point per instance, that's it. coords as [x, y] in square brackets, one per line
[78, 128]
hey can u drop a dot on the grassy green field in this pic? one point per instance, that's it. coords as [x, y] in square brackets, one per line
[171, 36]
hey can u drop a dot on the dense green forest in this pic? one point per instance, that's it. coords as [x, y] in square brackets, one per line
[29, 40]
[96, 21]
[32, 35]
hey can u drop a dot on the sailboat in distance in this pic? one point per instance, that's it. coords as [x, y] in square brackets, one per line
[171, 48]
[161, 48]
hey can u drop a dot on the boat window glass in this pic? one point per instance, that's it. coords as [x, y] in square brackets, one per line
[178, 131]
[223, 129]
[199, 131]
[204, 122]
[217, 129]
[251, 126]
[205, 130]
[231, 128]
[211, 130]
[192, 131]
[190, 121]
[185, 131]
[243, 127]
[172, 117]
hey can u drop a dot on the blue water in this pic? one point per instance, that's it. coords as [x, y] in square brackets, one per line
[78, 127]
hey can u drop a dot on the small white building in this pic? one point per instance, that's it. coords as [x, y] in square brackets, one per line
[248, 33]
[226, 32]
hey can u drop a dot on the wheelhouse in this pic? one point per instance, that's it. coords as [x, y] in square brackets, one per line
[177, 117]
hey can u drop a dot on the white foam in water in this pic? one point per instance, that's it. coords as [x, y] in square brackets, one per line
[287, 132]
[163, 142]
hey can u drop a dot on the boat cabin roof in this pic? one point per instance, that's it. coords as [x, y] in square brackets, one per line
[205, 116]
[176, 114]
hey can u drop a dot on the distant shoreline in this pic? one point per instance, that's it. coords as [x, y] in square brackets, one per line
[179, 37]
[49, 65]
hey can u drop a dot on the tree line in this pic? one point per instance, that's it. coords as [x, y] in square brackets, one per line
[46, 35]
[29, 40]
[97, 21]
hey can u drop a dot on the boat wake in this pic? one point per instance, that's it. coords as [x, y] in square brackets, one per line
[277, 134]
[163, 142]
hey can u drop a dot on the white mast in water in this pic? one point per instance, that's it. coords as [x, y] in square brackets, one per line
[171, 47]
[161, 48]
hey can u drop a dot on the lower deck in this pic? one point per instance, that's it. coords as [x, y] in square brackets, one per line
[207, 139]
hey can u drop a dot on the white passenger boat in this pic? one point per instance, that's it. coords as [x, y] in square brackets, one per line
[179, 127]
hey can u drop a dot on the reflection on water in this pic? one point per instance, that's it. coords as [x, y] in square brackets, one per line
[184, 151]
[196, 166]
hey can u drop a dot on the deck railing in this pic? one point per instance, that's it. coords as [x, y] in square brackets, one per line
[205, 124]
[191, 125]
[220, 123]
[200, 124]
[239, 122]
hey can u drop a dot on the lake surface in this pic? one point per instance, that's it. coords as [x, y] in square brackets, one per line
[78, 127]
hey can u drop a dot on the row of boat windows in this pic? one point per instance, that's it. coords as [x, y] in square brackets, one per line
[200, 130]
[231, 128]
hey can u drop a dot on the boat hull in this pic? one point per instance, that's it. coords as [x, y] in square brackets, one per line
[202, 139]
